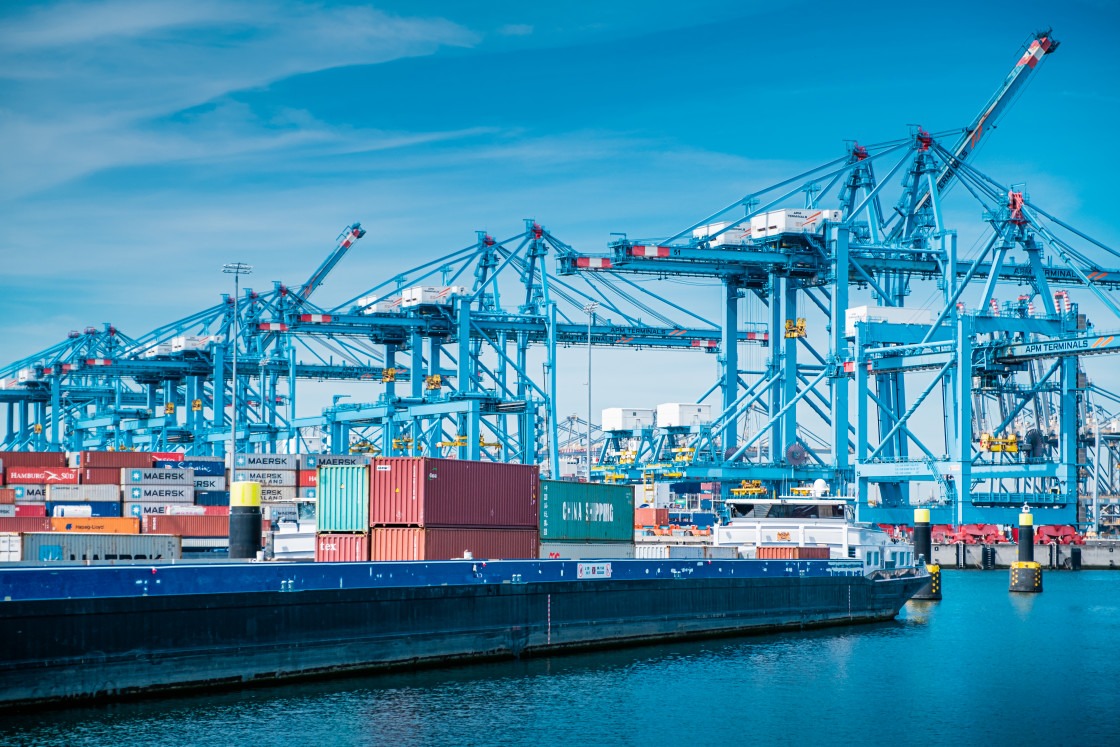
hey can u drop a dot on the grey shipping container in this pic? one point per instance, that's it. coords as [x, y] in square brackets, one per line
[83, 493]
[313, 461]
[586, 550]
[271, 477]
[157, 476]
[206, 482]
[266, 462]
[68, 547]
[586, 512]
[271, 494]
[159, 494]
[31, 493]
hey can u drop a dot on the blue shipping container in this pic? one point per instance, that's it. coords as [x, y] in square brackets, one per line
[207, 469]
[99, 509]
[211, 497]
[705, 504]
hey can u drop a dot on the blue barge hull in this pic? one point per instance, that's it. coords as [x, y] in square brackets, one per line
[78, 633]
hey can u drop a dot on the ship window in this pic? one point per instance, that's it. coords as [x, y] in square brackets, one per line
[851, 552]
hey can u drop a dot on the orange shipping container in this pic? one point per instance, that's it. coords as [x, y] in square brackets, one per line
[792, 552]
[338, 548]
[446, 543]
[651, 517]
[107, 525]
[7, 495]
[188, 525]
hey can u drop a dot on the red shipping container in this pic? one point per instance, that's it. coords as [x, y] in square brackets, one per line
[417, 491]
[51, 459]
[446, 543]
[792, 552]
[167, 456]
[651, 517]
[31, 509]
[186, 525]
[24, 524]
[41, 476]
[308, 478]
[341, 548]
[7, 495]
[115, 459]
[100, 476]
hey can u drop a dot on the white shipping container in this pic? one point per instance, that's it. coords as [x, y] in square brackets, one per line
[163, 348]
[792, 220]
[655, 551]
[156, 476]
[159, 494]
[888, 314]
[432, 295]
[737, 236]
[271, 478]
[682, 414]
[270, 462]
[202, 482]
[280, 511]
[184, 343]
[277, 494]
[138, 509]
[11, 547]
[586, 550]
[626, 419]
[83, 493]
[7, 510]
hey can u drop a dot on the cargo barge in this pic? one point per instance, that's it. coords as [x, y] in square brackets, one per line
[82, 633]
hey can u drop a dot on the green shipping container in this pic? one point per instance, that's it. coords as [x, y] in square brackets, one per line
[586, 512]
[343, 498]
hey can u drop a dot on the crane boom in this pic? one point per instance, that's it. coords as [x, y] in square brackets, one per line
[1042, 45]
[349, 235]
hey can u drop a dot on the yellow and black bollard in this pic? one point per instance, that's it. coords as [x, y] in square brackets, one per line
[923, 552]
[1026, 575]
[244, 520]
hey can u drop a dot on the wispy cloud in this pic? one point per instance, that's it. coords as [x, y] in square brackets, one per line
[91, 84]
[516, 29]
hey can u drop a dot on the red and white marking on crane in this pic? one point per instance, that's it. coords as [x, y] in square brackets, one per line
[316, 318]
[99, 361]
[649, 251]
[1034, 53]
[705, 343]
[273, 327]
[594, 263]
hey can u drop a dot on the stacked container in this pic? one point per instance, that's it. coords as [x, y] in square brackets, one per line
[277, 474]
[26, 475]
[342, 518]
[438, 509]
[581, 520]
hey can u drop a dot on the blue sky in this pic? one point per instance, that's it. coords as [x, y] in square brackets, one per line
[143, 144]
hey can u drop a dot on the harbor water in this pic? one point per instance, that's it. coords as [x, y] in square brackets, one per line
[984, 667]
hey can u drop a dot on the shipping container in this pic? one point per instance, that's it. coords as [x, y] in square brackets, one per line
[273, 478]
[166, 456]
[117, 459]
[887, 314]
[100, 547]
[682, 414]
[314, 461]
[191, 526]
[52, 459]
[418, 491]
[7, 510]
[27, 493]
[306, 478]
[209, 483]
[341, 548]
[7, 495]
[40, 476]
[102, 525]
[343, 500]
[626, 419]
[158, 494]
[276, 512]
[653, 551]
[307, 494]
[140, 510]
[11, 547]
[100, 476]
[201, 467]
[445, 543]
[721, 234]
[30, 509]
[585, 550]
[585, 512]
[791, 552]
[265, 462]
[157, 476]
[277, 495]
[83, 493]
[211, 497]
[651, 517]
[654, 495]
[25, 523]
[99, 509]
